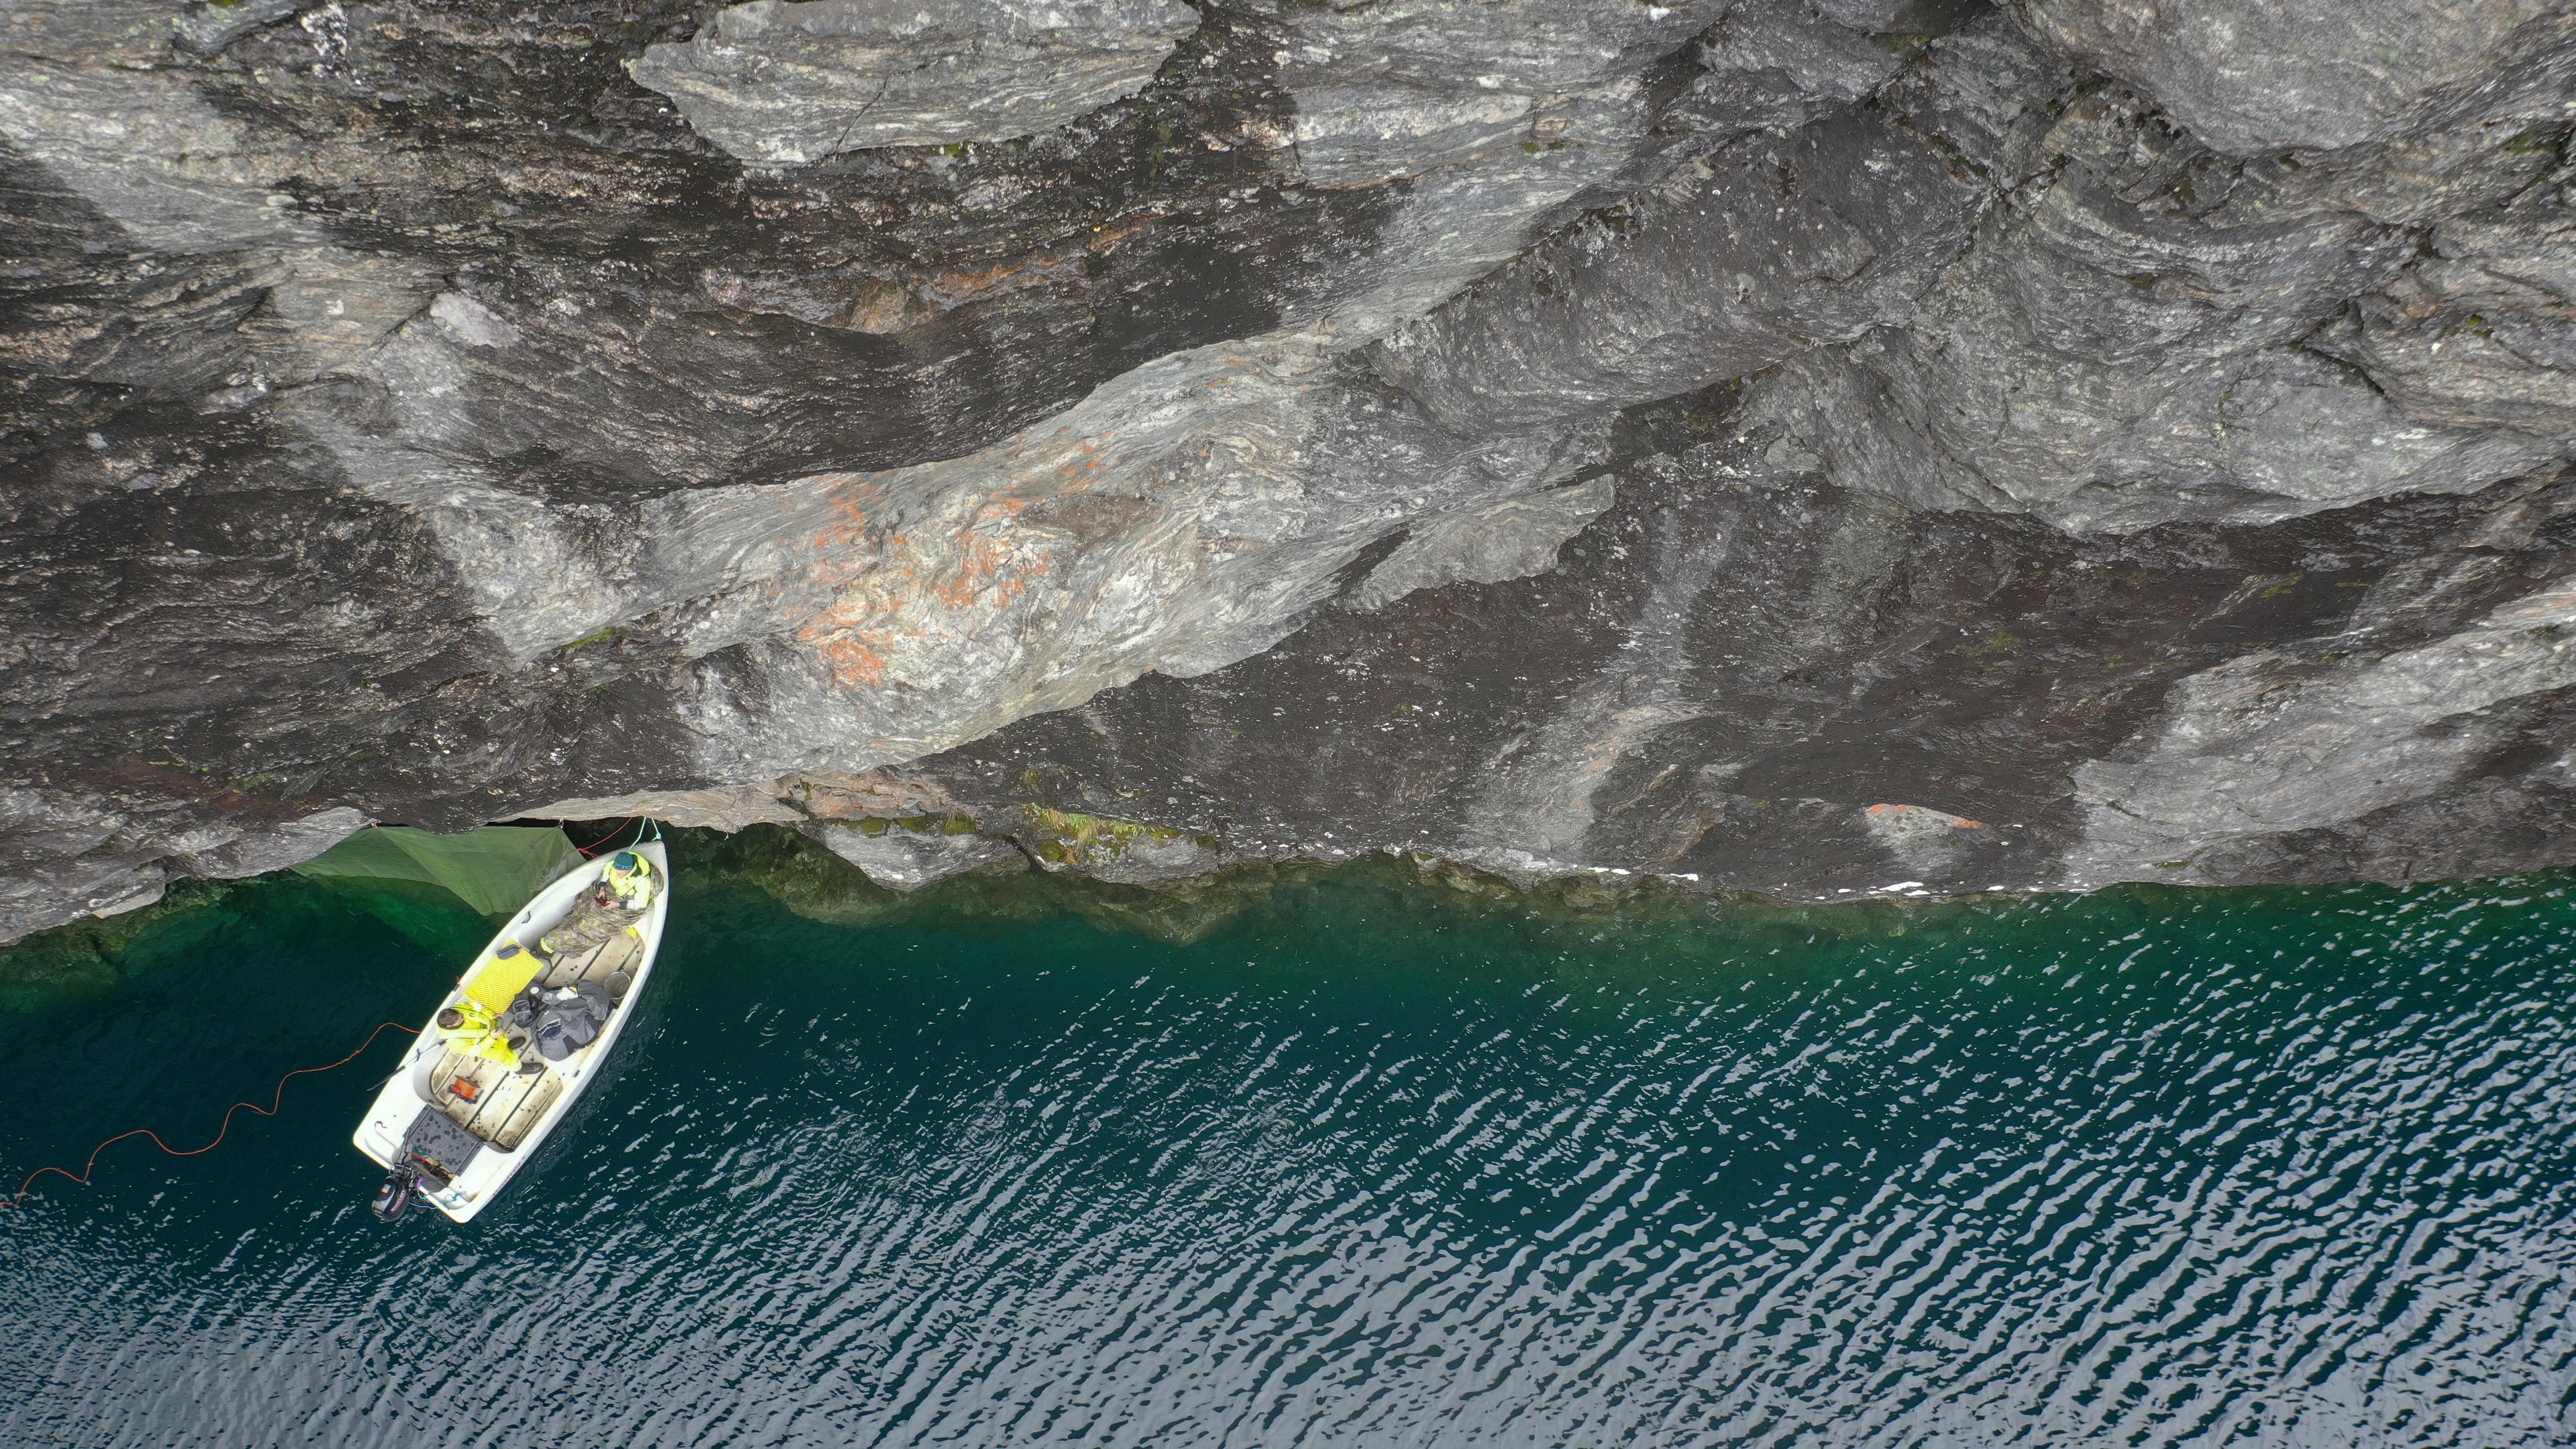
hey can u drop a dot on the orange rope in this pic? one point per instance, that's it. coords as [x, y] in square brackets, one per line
[593, 847]
[82, 1177]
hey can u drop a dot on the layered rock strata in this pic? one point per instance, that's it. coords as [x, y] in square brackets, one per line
[1827, 450]
[799, 80]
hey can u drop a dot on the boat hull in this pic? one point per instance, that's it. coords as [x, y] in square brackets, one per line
[427, 1079]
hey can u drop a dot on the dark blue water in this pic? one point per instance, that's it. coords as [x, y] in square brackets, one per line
[1378, 1165]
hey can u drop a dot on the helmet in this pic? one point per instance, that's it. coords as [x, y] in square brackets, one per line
[626, 863]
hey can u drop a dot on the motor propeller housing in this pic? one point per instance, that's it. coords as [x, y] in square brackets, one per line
[395, 1193]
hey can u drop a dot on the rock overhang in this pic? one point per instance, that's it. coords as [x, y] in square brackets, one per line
[681, 493]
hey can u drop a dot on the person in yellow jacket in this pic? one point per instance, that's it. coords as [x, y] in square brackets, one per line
[631, 876]
[469, 1028]
[613, 905]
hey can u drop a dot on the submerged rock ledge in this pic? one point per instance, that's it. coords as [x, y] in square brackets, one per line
[1838, 449]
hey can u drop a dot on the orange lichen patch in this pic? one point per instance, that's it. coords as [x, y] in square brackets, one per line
[866, 487]
[907, 600]
[1955, 822]
[849, 609]
[840, 547]
[852, 539]
[855, 665]
[992, 573]
[902, 566]
[855, 499]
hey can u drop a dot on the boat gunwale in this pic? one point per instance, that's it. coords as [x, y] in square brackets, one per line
[575, 1074]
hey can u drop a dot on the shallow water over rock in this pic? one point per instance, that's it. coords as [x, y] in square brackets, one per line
[1376, 1163]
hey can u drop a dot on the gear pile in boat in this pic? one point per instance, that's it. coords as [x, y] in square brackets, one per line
[507, 1014]
[560, 1022]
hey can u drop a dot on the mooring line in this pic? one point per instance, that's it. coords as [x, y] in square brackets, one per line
[592, 849]
[275, 1102]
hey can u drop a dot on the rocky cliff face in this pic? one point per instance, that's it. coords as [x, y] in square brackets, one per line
[1831, 449]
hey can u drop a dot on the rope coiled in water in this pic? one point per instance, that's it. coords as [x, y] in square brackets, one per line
[275, 1102]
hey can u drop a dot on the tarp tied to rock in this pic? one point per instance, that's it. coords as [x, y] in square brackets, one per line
[494, 870]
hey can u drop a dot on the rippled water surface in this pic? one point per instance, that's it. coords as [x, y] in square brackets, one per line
[1375, 1166]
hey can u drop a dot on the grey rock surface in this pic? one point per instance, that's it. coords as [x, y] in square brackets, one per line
[1823, 448]
[2141, 332]
[901, 858]
[799, 80]
[207, 27]
[2322, 75]
[2275, 745]
[1747, 678]
[1754, 254]
[2482, 332]
[1769, 67]
[1510, 538]
[1388, 91]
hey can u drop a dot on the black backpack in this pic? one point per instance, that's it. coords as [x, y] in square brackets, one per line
[565, 1027]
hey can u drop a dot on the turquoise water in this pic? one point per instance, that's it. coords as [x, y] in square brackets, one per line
[1376, 1164]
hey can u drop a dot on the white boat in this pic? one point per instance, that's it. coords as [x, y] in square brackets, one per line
[455, 1128]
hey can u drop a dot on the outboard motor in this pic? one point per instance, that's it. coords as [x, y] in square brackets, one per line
[395, 1193]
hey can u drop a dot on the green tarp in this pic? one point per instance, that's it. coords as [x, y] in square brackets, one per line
[494, 870]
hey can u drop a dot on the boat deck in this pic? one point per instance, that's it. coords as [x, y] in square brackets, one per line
[497, 1104]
